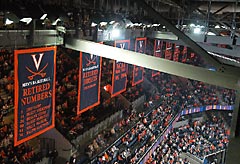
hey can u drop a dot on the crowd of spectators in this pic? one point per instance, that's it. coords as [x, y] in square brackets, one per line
[228, 96]
[212, 95]
[6, 81]
[170, 92]
[107, 136]
[134, 143]
[199, 138]
[172, 95]
[22, 154]
[206, 94]
[66, 96]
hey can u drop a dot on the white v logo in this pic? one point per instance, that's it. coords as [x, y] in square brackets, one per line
[122, 45]
[37, 63]
[141, 43]
[91, 56]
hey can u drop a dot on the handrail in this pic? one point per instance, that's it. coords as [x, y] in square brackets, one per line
[193, 157]
[214, 153]
[151, 148]
[93, 159]
[159, 137]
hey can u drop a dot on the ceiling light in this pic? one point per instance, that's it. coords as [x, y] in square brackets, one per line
[197, 30]
[26, 20]
[56, 21]
[8, 22]
[210, 33]
[111, 22]
[115, 33]
[155, 25]
[192, 25]
[103, 23]
[93, 24]
[43, 16]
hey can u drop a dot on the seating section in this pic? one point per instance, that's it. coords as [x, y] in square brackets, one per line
[136, 140]
[197, 138]
[137, 130]
[6, 82]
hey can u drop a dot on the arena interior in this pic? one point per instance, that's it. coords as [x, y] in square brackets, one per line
[125, 82]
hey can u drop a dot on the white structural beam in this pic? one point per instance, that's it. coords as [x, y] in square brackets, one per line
[154, 63]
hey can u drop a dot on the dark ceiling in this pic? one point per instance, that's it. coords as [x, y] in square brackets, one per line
[219, 16]
[222, 12]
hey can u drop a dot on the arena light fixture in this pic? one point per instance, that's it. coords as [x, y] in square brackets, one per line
[103, 23]
[211, 33]
[43, 17]
[93, 24]
[197, 30]
[8, 22]
[156, 25]
[56, 21]
[10, 18]
[115, 33]
[26, 20]
[111, 22]
[192, 25]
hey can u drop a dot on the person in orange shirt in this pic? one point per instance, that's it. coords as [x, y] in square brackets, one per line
[106, 156]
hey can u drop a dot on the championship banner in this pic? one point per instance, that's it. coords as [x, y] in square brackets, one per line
[140, 46]
[158, 53]
[176, 53]
[184, 54]
[168, 51]
[89, 81]
[34, 98]
[120, 69]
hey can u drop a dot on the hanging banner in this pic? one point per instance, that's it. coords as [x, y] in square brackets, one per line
[168, 51]
[89, 81]
[119, 76]
[176, 53]
[158, 53]
[140, 46]
[184, 54]
[34, 74]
